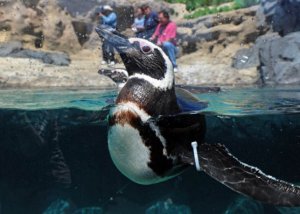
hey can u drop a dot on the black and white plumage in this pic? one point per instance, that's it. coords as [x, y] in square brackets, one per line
[150, 134]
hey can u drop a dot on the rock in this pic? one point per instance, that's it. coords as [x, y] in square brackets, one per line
[280, 59]
[287, 17]
[58, 30]
[245, 206]
[9, 48]
[61, 59]
[246, 58]
[167, 207]
[282, 16]
[32, 73]
[60, 206]
[184, 31]
[218, 31]
[200, 69]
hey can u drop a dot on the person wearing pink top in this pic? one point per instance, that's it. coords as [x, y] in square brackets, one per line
[165, 36]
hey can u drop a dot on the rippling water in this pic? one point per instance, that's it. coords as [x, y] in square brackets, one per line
[259, 126]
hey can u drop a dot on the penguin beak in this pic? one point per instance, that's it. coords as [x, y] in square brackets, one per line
[117, 40]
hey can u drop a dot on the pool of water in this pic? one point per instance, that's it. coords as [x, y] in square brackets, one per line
[261, 126]
[229, 101]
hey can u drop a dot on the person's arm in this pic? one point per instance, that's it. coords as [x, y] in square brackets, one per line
[156, 33]
[110, 19]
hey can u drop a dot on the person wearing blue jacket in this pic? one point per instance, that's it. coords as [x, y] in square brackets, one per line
[108, 18]
[150, 22]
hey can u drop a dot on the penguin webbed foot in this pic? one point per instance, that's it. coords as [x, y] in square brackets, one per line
[216, 161]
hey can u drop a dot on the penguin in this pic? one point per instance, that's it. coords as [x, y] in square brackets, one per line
[151, 139]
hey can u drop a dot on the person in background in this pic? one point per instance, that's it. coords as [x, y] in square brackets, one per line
[109, 18]
[150, 23]
[138, 25]
[165, 36]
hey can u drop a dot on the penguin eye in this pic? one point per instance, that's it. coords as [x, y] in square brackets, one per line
[146, 49]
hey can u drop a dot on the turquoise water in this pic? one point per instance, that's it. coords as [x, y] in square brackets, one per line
[230, 101]
[261, 126]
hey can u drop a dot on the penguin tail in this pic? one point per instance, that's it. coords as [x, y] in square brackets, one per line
[216, 161]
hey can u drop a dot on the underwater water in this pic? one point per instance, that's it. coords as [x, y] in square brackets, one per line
[260, 126]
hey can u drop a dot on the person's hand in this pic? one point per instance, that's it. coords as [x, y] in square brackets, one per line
[159, 43]
[101, 14]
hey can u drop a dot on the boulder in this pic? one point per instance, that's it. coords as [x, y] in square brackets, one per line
[15, 49]
[282, 15]
[278, 58]
[9, 48]
[246, 58]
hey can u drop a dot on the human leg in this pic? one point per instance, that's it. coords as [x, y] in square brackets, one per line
[170, 49]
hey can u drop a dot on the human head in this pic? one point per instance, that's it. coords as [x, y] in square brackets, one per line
[139, 11]
[107, 9]
[147, 9]
[163, 17]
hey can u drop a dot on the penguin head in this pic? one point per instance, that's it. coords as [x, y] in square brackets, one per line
[140, 57]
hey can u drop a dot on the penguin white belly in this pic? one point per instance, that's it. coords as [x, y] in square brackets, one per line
[130, 155]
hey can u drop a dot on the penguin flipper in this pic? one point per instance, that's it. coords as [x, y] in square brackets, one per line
[217, 162]
[187, 101]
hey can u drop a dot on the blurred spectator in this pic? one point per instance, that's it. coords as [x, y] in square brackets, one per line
[109, 18]
[139, 20]
[150, 23]
[165, 36]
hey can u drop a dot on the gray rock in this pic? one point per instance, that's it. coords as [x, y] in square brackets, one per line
[287, 17]
[61, 59]
[9, 48]
[278, 58]
[246, 58]
[282, 15]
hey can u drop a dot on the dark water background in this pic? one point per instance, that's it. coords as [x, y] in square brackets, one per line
[268, 139]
